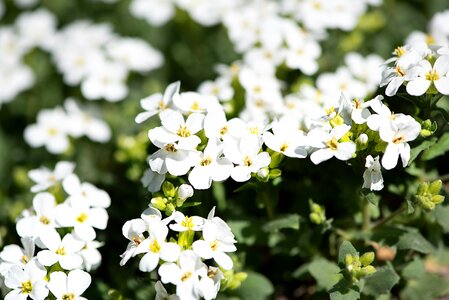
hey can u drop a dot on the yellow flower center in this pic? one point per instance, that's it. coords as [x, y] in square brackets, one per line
[155, 247]
[399, 71]
[330, 110]
[69, 296]
[186, 276]
[399, 51]
[398, 139]
[188, 222]
[332, 144]
[161, 105]
[183, 131]
[27, 287]
[60, 251]
[284, 147]
[247, 161]
[224, 130]
[254, 130]
[44, 220]
[432, 75]
[81, 218]
[25, 259]
[195, 106]
[170, 148]
[214, 245]
[206, 161]
[52, 131]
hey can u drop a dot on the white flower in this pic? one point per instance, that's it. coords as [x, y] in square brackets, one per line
[176, 129]
[372, 177]
[70, 286]
[404, 129]
[157, 102]
[83, 219]
[152, 180]
[217, 240]
[28, 282]
[245, 154]
[329, 146]
[84, 193]
[185, 275]
[210, 166]
[91, 256]
[50, 131]
[44, 204]
[155, 247]
[44, 178]
[194, 102]
[220, 88]
[303, 54]
[210, 284]
[185, 223]
[37, 28]
[83, 123]
[169, 158]
[184, 191]
[394, 77]
[135, 54]
[106, 81]
[381, 121]
[216, 125]
[436, 75]
[65, 251]
[133, 230]
[12, 255]
[155, 12]
[286, 138]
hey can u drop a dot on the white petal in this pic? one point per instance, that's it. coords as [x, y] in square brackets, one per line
[390, 157]
[203, 249]
[170, 252]
[321, 155]
[149, 262]
[442, 85]
[223, 260]
[78, 281]
[418, 86]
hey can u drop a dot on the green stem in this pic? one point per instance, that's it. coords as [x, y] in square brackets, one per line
[366, 217]
[268, 206]
[389, 217]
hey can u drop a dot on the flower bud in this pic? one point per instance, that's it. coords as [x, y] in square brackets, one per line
[185, 191]
[168, 189]
[159, 203]
[428, 195]
[263, 174]
[368, 270]
[367, 258]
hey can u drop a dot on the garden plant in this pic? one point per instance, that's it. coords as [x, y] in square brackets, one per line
[226, 149]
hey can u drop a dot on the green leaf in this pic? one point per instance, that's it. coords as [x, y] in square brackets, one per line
[427, 286]
[287, 221]
[255, 287]
[414, 270]
[414, 241]
[344, 290]
[372, 198]
[420, 148]
[326, 273]
[381, 282]
[442, 216]
[440, 147]
[345, 248]
[244, 231]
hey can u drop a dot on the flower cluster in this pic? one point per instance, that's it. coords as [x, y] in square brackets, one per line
[54, 126]
[422, 69]
[197, 139]
[93, 56]
[61, 224]
[86, 53]
[268, 35]
[182, 257]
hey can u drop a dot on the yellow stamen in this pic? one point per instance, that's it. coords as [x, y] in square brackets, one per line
[332, 144]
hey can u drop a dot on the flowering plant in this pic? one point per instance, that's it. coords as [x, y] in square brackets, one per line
[310, 164]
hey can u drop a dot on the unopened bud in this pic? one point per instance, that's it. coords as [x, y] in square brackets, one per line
[159, 203]
[168, 189]
[185, 191]
[367, 258]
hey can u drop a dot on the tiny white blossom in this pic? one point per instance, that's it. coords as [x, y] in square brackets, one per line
[372, 177]
[70, 286]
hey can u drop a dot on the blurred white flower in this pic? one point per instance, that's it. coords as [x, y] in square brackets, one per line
[50, 131]
[44, 178]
